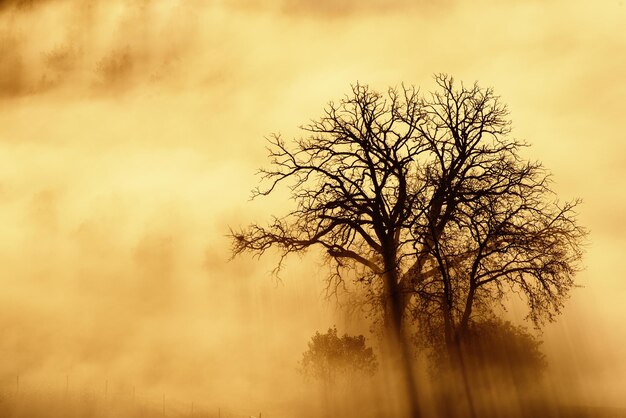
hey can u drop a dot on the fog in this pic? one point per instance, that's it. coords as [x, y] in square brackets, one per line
[130, 133]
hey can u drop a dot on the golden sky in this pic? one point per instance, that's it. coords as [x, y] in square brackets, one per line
[130, 131]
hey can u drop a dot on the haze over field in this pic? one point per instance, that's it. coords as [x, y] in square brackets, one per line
[130, 132]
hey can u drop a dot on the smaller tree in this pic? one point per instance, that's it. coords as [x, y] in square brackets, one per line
[501, 367]
[330, 356]
[497, 345]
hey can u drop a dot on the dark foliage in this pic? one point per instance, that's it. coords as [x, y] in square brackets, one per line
[330, 357]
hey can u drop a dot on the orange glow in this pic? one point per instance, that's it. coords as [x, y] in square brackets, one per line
[130, 132]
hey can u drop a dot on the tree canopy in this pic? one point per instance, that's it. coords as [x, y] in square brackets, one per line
[427, 198]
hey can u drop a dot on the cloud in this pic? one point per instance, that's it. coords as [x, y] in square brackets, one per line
[95, 47]
[324, 9]
[13, 81]
[21, 5]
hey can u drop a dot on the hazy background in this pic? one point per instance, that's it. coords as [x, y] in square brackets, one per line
[130, 132]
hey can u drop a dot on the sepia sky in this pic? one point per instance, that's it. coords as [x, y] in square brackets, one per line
[130, 131]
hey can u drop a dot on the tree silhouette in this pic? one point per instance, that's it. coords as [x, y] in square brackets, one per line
[354, 186]
[502, 228]
[330, 356]
[499, 360]
[496, 344]
[425, 200]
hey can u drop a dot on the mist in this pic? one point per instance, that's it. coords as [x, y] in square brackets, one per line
[130, 134]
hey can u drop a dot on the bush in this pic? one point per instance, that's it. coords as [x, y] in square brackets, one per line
[330, 356]
[497, 345]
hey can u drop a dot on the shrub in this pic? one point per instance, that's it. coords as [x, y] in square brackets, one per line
[330, 356]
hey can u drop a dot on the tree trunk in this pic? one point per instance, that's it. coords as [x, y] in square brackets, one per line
[397, 341]
[467, 313]
[454, 348]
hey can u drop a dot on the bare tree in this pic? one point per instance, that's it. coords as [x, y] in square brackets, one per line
[426, 201]
[354, 184]
[502, 229]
